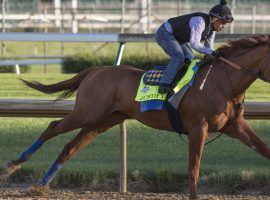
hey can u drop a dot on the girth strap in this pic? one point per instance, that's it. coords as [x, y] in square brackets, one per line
[175, 119]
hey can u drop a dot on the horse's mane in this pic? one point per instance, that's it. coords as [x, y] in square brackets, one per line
[246, 42]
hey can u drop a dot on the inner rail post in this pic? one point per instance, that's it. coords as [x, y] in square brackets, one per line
[123, 132]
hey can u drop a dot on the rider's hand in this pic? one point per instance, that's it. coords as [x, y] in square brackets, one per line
[208, 57]
[215, 54]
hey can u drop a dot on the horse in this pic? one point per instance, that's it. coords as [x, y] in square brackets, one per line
[105, 97]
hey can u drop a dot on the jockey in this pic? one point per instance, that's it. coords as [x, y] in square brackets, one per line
[175, 33]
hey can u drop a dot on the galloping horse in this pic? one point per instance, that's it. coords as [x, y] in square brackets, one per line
[105, 98]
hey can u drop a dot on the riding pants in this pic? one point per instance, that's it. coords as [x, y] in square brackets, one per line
[177, 52]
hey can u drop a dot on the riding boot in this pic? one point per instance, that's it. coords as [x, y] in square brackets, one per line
[181, 71]
[166, 87]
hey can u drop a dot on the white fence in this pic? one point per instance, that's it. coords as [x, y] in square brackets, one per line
[127, 16]
[92, 37]
[69, 37]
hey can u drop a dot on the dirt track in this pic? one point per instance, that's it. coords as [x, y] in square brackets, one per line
[23, 192]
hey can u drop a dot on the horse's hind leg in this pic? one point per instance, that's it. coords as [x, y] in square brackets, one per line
[55, 128]
[84, 138]
[242, 131]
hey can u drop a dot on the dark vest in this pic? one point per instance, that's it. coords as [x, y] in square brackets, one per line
[181, 29]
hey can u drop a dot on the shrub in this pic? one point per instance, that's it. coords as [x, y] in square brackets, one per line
[145, 62]
[79, 62]
[11, 69]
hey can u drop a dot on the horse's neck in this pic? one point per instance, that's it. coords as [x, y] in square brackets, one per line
[227, 80]
[254, 60]
[241, 80]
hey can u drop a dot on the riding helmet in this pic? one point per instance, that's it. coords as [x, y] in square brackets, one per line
[222, 11]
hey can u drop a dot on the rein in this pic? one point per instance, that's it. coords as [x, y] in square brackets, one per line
[238, 67]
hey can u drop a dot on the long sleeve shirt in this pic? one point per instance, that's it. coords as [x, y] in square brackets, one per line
[197, 26]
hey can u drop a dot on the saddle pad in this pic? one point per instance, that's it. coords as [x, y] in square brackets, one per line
[189, 76]
[153, 76]
[150, 92]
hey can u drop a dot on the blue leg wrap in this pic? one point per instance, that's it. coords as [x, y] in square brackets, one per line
[50, 174]
[27, 154]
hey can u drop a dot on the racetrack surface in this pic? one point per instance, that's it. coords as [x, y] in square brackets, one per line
[27, 192]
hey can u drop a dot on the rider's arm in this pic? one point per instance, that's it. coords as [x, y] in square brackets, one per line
[197, 26]
[209, 42]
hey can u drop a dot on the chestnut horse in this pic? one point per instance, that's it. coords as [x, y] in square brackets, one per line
[105, 98]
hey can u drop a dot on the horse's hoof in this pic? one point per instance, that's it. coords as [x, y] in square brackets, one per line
[38, 190]
[10, 169]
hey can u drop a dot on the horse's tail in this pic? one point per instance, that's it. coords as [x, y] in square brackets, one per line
[67, 87]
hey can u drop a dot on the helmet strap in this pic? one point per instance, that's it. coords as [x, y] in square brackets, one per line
[213, 19]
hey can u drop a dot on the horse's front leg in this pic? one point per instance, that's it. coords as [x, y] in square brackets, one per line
[242, 131]
[197, 137]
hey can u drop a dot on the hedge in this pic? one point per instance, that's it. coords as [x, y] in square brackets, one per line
[11, 69]
[79, 62]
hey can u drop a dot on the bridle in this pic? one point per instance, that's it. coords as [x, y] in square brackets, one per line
[247, 71]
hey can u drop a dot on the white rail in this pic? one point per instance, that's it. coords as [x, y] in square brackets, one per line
[80, 37]
[31, 62]
[91, 37]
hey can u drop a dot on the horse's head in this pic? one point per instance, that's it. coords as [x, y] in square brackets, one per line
[251, 53]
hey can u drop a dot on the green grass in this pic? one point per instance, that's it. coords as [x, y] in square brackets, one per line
[12, 87]
[70, 48]
[156, 156]
[259, 91]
